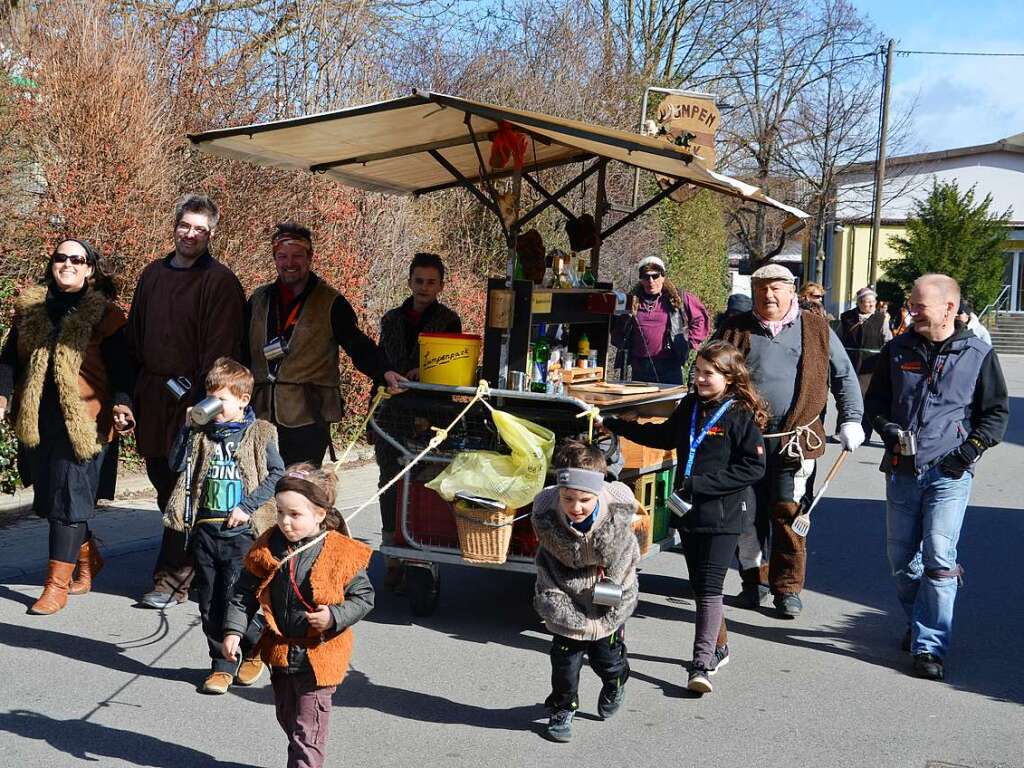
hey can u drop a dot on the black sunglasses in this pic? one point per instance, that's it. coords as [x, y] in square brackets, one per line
[651, 275]
[74, 258]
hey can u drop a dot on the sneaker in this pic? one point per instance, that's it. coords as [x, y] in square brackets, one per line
[905, 645]
[752, 596]
[217, 683]
[698, 682]
[610, 700]
[788, 605]
[928, 666]
[249, 671]
[720, 659]
[560, 725]
[158, 600]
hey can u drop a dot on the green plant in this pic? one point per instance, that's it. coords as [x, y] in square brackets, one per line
[694, 237]
[951, 234]
[9, 478]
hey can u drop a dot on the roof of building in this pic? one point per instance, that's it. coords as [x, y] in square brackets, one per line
[1013, 144]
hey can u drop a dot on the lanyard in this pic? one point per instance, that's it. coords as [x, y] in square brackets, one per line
[295, 587]
[697, 439]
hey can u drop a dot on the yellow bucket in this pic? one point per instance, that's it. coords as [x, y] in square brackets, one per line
[449, 358]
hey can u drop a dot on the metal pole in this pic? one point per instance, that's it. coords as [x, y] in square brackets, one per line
[876, 219]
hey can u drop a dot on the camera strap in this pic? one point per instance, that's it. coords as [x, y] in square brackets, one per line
[697, 438]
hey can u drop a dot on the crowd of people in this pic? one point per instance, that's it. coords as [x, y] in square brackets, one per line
[249, 521]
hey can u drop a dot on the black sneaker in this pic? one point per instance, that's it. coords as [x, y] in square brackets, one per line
[752, 596]
[720, 659]
[788, 605]
[560, 725]
[905, 645]
[698, 682]
[928, 666]
[610, 700]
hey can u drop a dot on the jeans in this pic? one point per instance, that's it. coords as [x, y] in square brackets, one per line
[924, 515]
[607, 658]
[218, 563]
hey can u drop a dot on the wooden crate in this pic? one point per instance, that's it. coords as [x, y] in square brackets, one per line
[643, 524]
[636, 456]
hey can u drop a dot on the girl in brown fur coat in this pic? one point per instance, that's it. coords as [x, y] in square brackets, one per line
[65, 358]
[310, 579]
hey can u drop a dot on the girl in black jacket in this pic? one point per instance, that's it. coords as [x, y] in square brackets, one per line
[717, 436]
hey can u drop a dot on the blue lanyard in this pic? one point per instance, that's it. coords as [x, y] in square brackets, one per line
[697, 439]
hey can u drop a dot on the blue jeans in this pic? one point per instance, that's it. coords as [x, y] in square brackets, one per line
[924, 515]
[664, 370]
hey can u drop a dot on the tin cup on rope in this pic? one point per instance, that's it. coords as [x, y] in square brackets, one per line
[206, 410]
[178, 386]
[607, 592]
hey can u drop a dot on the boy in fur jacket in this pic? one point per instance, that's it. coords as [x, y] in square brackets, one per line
[309, 577]
[585, 529]
[234, 464]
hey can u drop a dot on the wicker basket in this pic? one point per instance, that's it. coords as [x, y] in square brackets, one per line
[484, 534]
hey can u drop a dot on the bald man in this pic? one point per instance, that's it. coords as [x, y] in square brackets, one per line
[941, 385]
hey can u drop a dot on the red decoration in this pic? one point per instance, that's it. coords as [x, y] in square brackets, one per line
[507, 144]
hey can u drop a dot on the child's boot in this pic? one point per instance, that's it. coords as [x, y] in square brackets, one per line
[611, 698]
[249, 671]
[90, 563]
[560, 725]
[217, 683]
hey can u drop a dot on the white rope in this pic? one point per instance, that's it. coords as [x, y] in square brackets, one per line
[792, 448]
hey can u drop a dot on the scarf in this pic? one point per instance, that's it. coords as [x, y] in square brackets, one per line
[61, 303]
[223, 430]
[774, 327]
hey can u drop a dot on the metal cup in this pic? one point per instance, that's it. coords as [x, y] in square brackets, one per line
[908, 443]
[607, 592]
[517, 381]
[275, 349]
[678, 505]
[205, 410]
[179, 387]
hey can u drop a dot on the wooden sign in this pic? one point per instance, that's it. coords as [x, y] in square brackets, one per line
[500, 309]
[680, 115]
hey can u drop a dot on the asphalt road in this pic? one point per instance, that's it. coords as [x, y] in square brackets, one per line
[104, 683]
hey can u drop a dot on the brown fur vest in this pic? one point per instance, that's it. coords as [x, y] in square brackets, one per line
[79, 372]
[252, 464]
[812, 393]
[340, 559]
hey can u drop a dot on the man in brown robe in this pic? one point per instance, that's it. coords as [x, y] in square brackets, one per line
[186, 312]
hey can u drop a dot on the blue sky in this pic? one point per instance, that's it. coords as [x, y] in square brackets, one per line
[959, 100]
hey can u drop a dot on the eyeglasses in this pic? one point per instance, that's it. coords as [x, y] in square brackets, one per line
[650, 275]
[76, 259]
[186, 228]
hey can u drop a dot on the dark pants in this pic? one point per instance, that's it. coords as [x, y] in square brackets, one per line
[172, 573]
[308, 443]
[66, 539]
[303, 710]
[607, 658]
[778, 500]
[218, 562]
[708, 556]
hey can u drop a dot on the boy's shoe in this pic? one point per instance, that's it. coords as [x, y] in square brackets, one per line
[720, 659]
[159, 600]
[610, 700]
[698, 682]
[249, 671]
[788, 605]
[929, 666]
[217, 683]
[560, 725]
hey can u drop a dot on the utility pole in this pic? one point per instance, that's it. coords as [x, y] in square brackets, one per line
[876, 219]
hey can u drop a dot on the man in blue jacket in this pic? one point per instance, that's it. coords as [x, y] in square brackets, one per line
[941, 387]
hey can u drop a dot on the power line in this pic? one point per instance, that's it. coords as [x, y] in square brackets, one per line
[956, 53]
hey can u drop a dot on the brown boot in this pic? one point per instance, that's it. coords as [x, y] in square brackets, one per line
[90, 563]
[55, 593]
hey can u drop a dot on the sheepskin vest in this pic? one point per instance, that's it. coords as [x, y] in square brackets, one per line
[79, 372]
[252, 464]
[812, 373]
[340, 559]
[308, 379]
[569, 564]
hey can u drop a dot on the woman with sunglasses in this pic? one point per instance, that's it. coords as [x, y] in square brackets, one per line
[664, 323]
[64, 363]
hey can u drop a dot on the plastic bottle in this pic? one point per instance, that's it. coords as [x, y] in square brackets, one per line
[541, 355]
[583, 347]
[588, 279]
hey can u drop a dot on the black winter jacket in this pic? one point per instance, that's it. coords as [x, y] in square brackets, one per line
[728, 461]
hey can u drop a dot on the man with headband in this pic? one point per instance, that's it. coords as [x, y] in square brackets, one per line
[586, 580]
[296, 326]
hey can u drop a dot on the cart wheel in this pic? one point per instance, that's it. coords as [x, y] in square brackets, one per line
[422, 589]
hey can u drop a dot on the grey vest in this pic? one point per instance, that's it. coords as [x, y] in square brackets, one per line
[935, 404]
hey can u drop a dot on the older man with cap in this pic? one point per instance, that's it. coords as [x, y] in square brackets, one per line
[295, 327]
[794, 359]
[664, 323]
[863, 330]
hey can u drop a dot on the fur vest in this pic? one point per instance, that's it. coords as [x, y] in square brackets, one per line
[569, 564]
[813, 373]
[83, 386]
[340, 559]
[252, 464]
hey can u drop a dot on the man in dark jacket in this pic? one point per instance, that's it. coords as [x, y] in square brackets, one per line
[943, 387]
[863, 330]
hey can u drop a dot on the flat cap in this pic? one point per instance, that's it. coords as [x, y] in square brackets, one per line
[773, 272]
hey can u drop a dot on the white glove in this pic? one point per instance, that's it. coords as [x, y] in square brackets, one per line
[851, 435]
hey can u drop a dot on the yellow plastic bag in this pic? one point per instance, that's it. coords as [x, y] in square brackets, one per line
[513, 480]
